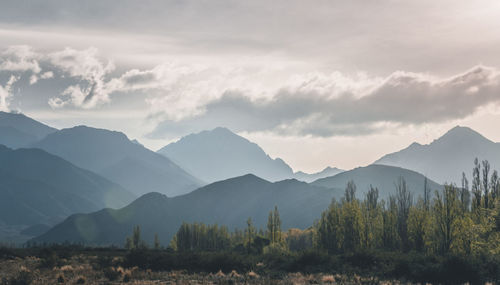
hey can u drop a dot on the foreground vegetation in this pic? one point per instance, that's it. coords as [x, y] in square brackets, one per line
[78, 265]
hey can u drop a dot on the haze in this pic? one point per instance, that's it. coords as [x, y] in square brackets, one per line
[337, 83]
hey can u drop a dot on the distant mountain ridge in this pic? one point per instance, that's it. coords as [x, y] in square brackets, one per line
[18, 130]
[444, 159]
[112, 155]
[40, 188]
[220, 154]
[310, 177]
[229, 202]
[382, 177]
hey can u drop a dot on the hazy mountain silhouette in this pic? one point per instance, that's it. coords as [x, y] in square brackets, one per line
[229, 202]
[381, 176]
[40, 188]
[18, 130]
[327, 172]
[112, 155]
[221, 154]
[447, 157]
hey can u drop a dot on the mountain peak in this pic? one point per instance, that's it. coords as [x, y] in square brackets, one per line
[461, 133]
[445, 158]
[218, 154]
[222, 130]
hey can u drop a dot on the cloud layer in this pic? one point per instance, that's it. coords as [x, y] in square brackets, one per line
[184, 97]
[324, 108]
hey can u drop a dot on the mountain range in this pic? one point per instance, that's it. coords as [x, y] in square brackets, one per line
[17, 130]
[382, 177]
[97, 173]
[444, 159]
[112, 155]
[220, 154]
[229, 202]
[40, 188]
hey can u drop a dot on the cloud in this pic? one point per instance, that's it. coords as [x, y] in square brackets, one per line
[186, 97]
[86, 66]
[346, 107]
[20, 59]
[5, 93]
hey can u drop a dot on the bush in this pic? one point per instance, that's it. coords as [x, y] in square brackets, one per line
[24, 277]
[112, 274]
[81, 280]
[61, 279]
[49, 258]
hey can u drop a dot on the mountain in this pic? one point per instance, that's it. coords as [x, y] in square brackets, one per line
[327, 172]
[220, 154]
[17, 130]
[444, 159]
[229, 202]
[381, 176]
[38, 188]
[112, 155]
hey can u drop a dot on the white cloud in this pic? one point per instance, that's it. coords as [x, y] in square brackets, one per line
[20, 58]
[340, 106]
[5, 93]
[47, 75]
[86, 66]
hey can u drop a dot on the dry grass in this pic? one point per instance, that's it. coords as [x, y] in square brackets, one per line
[82, 270]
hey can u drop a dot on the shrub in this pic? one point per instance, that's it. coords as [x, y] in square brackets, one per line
[24, 277]
[112, 274]
[61, 279]
[81, 280]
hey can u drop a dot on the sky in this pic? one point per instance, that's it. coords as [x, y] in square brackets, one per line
[316, 83]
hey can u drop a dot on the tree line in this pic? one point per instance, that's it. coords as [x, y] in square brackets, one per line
[454, 219]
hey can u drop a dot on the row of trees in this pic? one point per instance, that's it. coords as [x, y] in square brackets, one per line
[453, 219]
[201, 237]
[447, 222]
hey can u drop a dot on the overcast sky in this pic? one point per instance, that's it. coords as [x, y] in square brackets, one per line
[317, 83]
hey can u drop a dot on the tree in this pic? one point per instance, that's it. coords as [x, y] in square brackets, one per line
[329, 228]
[136, 237]
[350, 191]
[446, 212]
[418, 225]
[390, 237]
[157, 244]
[476, 186]
[201, 237]
[270, 227]
[250, 233]
[277, 224]
[274, 226]
[494, 186]
[352, 223]
[427, 195]
[372, 235]
[486, 171]
[404, 202]
[464, 194]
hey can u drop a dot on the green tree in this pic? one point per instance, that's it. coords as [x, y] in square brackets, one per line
[418, 225]
[157, 244]
[486, 188]
[476, 187]
[404, 202]
[446, 212]
[250, 233]
[329, 232]
[274, 226]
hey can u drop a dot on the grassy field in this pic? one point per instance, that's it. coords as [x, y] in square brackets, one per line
[44, 266]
